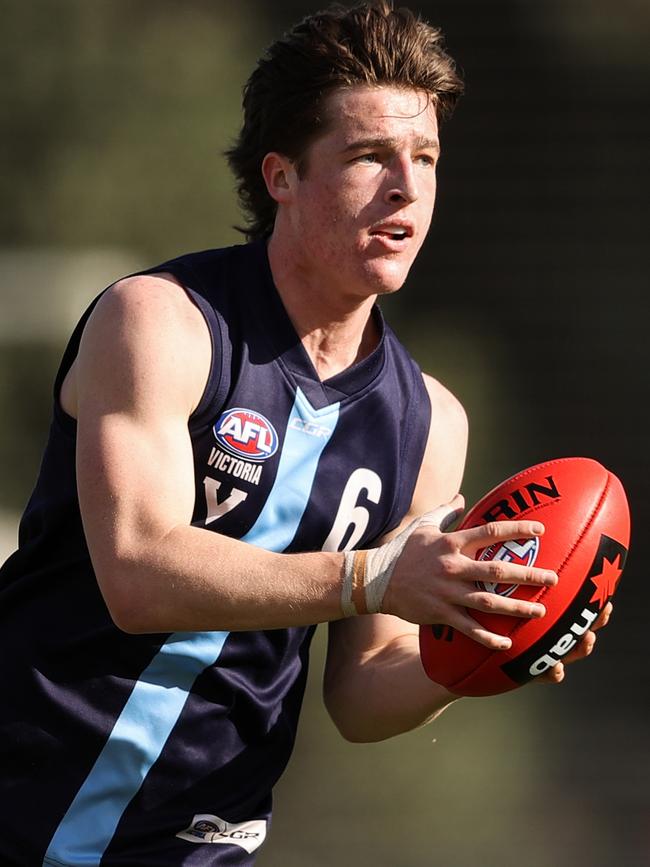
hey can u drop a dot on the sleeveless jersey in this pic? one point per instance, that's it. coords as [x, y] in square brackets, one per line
[120, 749]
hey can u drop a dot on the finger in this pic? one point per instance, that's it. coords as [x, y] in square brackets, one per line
[445, 515]
[604, 617]
[493, 603]
[583, 648]
[553, 675]
[461, 621]
[473, 539]
[502, 572]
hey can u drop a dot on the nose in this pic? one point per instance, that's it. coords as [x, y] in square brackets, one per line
[402, 187]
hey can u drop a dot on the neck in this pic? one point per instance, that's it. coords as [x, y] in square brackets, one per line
[336, 328]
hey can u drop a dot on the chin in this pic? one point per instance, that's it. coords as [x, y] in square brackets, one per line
[385, 277]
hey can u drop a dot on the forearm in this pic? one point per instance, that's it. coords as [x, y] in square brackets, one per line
[193, 580]
[385, 694]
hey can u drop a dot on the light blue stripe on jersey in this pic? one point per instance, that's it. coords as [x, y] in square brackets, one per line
[135, 743]
[158, 698]
[308, 432]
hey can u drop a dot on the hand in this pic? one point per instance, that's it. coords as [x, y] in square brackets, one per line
[582, 649]
[434, 579]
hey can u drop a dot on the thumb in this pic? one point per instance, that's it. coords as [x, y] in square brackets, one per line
[444, 516]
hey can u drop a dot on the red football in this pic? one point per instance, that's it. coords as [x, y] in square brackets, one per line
[584, 509]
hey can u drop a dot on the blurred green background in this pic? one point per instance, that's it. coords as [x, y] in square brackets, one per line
[529, 301]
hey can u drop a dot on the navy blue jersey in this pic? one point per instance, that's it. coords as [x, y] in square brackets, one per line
[129, 750]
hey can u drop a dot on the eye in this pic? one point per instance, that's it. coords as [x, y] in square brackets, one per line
[425, 160]
[367, 159]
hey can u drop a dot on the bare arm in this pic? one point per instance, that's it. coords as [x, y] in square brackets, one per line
[374, 685]
[140, 372]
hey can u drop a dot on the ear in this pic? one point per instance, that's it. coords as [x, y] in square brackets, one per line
[279, 176]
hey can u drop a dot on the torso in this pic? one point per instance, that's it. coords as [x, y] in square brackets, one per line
[203, 723]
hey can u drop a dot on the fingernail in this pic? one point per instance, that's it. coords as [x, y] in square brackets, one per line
[551, 579]
[505, 644]
[537, 610]
[538, 529]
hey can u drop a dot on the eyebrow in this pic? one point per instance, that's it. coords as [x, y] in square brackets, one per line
[388, 143]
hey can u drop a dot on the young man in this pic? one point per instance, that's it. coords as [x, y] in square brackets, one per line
[225, 426]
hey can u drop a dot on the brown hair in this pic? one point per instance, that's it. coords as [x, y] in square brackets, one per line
[285, 97]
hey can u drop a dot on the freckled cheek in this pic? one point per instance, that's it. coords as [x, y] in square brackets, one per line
[341, 219]
[334, 214]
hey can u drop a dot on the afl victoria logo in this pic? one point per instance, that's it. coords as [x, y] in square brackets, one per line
[523, 552]
[246, 434]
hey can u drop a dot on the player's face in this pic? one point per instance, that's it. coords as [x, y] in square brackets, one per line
[364, 201]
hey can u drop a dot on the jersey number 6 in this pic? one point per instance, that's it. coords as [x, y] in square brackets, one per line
[352, 519]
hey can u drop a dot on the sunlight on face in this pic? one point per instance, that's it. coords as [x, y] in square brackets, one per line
[363, 204]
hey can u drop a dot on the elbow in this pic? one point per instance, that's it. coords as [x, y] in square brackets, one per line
[355, 735]
[125, 621]
[354, 721]
[128, 616]
[354, 731]
[130, 611]
[346, 727]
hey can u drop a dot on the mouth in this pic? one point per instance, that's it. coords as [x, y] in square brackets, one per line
[392, 231]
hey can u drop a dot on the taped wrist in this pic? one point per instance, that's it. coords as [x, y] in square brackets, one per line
[367, 573]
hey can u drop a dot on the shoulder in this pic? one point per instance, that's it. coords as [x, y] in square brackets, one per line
[150, 313]
[443, 464]
[149, 299]
[448, 416]
[144, 333]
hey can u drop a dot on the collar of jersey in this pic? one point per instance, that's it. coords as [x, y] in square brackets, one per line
[279, 332]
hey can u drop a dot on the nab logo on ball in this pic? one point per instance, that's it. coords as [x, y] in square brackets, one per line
[246, 434]
[521, 551]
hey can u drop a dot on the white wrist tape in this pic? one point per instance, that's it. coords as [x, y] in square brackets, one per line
[366, 574]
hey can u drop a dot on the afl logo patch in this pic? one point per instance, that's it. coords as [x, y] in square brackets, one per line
[523, 552]
[246, 434]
